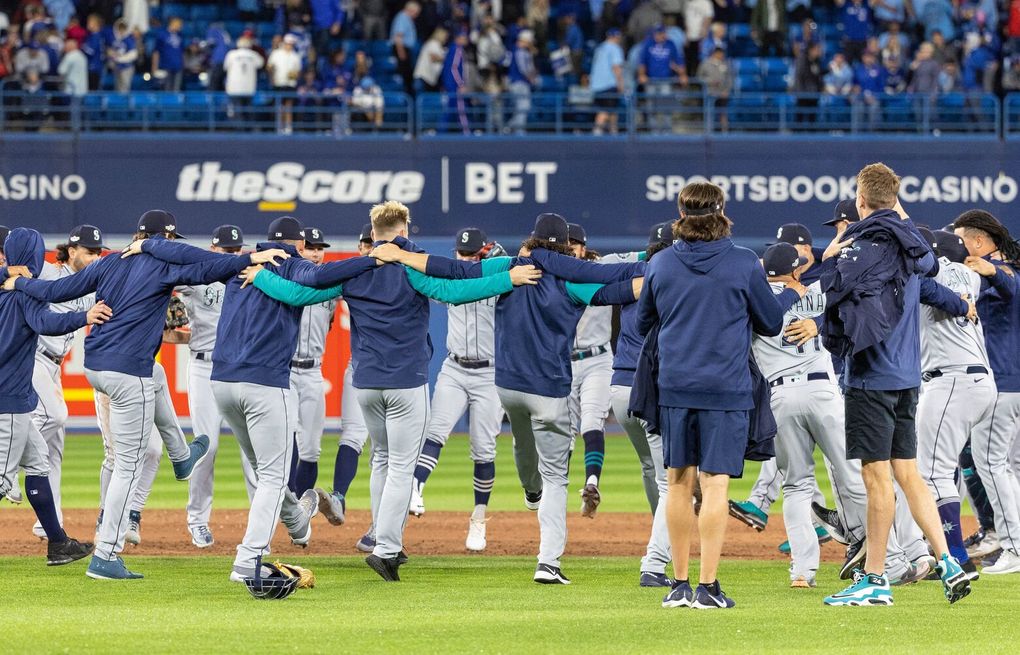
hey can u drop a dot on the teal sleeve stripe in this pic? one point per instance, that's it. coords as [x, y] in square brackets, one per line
[458, 292]
[292, 293]
[495, 265]
[582, 293]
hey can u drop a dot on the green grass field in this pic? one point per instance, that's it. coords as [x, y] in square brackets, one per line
[466, 604]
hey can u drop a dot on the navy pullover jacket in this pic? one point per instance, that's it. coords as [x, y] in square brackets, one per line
[999, 310]
[536, 324]
[138, 290]
[256, 335]
[22, 320]
[707, 297]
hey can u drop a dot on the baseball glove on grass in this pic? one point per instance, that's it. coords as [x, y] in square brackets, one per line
[306, 579]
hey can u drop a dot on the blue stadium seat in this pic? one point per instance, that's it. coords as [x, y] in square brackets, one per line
[379, 49]
[896, 109]
[737, 31]
[772, 65]
[234, 27]
[747, 65]
[206, 12]
[776, 82]
[951, 107]
[175, 9]
[265, 32]
[748, 83]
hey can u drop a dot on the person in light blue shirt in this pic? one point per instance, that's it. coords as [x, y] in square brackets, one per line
[607, 80]
[889, 11]
[937, 16]
[404, 39]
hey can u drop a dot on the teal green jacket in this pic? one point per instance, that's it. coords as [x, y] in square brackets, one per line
[581, 294]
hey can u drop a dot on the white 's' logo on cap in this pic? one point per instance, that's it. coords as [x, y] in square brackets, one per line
[779, 233]
[95, 235]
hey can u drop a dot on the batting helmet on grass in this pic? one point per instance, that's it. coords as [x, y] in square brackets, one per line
[272, 586]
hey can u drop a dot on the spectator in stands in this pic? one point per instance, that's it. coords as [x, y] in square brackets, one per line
[937, 15]
[373, 19]
[241, 67]
[168, 56]
[949, 78]
[869, 84]
[661, 67]
[196, 63]
[798, 10]
[453, 80]
[430, 62]
[808, 35]
[489, 55]
[839, 81]
[61, 12]
[924, 71]
[75, 30]
[362, 66]
[94, 47]
[309, 101]
[675, 33]
[6, 57]
[895, 77]
[74, 70]
[404, 39]
[891, 12]
[607, 81]
[943, 51]
[136, 15]
[1011, 74]
[808, 71]
[716, 75]
[368, 98]
[1013, 26]
[646, 15]
[893, 41]
[980, 64]
[523, 77]
[697, 19]
[35, 106]
[339, 79]
[855, 23]
[284, 67]
[327, 21]
[768, 27]
[219, 42]
[294, 16]
[612, 16]
[978, 15]
[31, 58]
[571, 37]
[538, 22]
[716, 39]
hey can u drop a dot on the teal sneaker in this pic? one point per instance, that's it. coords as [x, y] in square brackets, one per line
[867, 589]
[820, 532]
[955, 581]
[749, 514]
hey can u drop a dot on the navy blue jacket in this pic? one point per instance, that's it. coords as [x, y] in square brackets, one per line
[22, 320]
[708, 297]
[999, 310]
[872, 309]
[818, 269]
[536, 324]
[138, 290]
[628, 346]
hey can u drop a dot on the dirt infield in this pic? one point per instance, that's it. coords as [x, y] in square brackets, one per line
[164, 532]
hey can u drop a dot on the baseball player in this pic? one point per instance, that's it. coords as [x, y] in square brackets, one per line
[958, 390]
[996, 256]
[119, 357]
[591, 367]
[14, 493]
[534, 329]
[306, 375]
[204, 304]
[466, 381]
[22, 319]
[84, 245]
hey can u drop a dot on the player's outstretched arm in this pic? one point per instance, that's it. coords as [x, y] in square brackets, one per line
[764, 306]
[292, 293]
[330, 274]
[938, 296]
[221, 269]
[597, 295]
[578, 270]
[50, 323]
[459, 292]
[71, 287]
[999, 278]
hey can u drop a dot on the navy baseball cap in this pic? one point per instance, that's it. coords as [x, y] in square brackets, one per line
[845, 210]
[4, 231]
[782, 259]
[228, 236]
[286, 228]
[469, 240]
[612, 31]
[661, 233]
[313, 237]
[793, 233]
[86, 236]
[552, 228]
[950, 246]
[366, 233]
[576, 233]
[927, 235]
[159, 221]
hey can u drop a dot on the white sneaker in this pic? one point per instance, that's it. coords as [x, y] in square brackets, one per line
[1008, 562]
[14, 494]
[476, 535]
[38, 531]
[201, 537]
[417, 507]
[134, 531]
[990, 544]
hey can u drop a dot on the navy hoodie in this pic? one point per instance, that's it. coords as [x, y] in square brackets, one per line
[707, 297]
[22, 320]
[256, 335]
[999, 309]
[138, 290]
[536, 324]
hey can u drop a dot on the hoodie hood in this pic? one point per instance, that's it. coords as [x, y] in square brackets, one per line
[25, 247]
[702, 256]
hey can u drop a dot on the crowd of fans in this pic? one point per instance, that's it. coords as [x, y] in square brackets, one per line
[323, 50]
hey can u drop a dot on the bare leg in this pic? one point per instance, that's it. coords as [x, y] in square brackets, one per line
[881, 508]
[712, 523]
[922, 503]
[680, 517]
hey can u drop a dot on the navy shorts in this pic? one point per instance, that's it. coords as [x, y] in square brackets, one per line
[713, 440]
[880, 425]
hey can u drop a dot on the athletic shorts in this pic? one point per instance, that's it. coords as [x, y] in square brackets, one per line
[607, 99]
[880, 424]
[713, 440]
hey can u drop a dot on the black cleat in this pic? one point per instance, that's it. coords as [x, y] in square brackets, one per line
[532, 500]
[855, 553]
[66, 552]
[833, 524]
[386, 568]
[548, 574]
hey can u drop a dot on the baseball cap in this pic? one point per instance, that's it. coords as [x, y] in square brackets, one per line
[612, 31]
[228, 236]
[4, 231]
[950, 246]
[794, 234]
[313, 237]
[782, 259]
[846, 210]
[576, 233]
[469, 240]
[366, 233]
[927, 235]
[159, 221]
[290, 38]
[286, 228]
[551, 227]
[86, 236]
[661, 233]
[659, 28]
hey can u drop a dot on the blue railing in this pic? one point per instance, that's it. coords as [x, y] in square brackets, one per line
[539, 114]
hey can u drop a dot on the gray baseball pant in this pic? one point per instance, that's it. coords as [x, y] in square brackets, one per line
[264, 421]
[22, 446]
[653, 474]
[352, 423]
[991, 446]
[542, 444]
[590, 397]
[397, 420]
[458, 389]
[308, 387]
[50, 418]
[149, 464]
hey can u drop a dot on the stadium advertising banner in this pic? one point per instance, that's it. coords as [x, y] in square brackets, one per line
[614, 187]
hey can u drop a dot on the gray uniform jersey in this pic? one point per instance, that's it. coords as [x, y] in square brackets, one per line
[61, 345]
[204, 303]
[778, 357]
[952, 340]
[596, 325]
[470, 330]
[315, 323]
